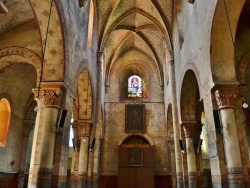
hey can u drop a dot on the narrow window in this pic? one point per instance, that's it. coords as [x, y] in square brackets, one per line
[91, 23]
[5, 113]
[71, 134]
[134, 86]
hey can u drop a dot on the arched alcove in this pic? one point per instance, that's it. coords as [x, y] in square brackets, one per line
[190, 96]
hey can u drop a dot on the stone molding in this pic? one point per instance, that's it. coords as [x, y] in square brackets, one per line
[45, 171]
[192, 176]
[235, 170]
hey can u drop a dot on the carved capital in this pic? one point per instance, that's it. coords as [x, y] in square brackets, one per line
[51, 93]
[83, 127]
[188, 128]
[52, 98]
[225, 97]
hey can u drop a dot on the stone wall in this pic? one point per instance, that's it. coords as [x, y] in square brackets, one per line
[20, 84]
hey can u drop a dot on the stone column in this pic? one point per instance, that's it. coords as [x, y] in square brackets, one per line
[188, 128]
[98, 127]
[173, 166]
[199, 162]
[27, 124]
[176, 126]
[75, 159]
[224, 98]
[84, 129]
[41, 165]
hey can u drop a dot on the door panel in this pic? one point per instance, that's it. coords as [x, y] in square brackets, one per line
[141, 176]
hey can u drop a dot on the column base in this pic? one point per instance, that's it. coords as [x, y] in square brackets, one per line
[21, 178]
[59, 181]
[179, 180]
[192, 179]
[42, 180]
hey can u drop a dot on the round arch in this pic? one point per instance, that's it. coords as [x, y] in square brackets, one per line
[190, 96]
[146, 137]
[13, 55]
[224, 27]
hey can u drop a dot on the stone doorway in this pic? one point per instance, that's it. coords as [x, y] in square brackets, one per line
[136, 163]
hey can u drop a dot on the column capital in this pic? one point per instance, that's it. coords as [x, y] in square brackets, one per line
[225, 97]
[51, 92]
[188, 127]
[224, 93]
[83, 127]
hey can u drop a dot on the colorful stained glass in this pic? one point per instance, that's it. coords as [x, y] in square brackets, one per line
[134, 86]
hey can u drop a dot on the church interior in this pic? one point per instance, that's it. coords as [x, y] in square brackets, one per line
[125, 93]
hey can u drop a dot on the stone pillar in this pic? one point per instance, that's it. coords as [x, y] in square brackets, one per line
[84, 129]
[188, 128]
[199, 162]
[242, 120]
[98, 126]
[184, 161]
[27, 124]
[176, 126]
[172, 154]
[42, 157]
[224, 98]
[75, 159]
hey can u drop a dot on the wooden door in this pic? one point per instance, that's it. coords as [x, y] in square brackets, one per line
[136, 168]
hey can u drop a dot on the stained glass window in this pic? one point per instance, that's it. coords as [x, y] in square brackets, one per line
[134, 86]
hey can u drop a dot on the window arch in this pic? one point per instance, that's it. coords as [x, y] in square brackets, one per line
[134, 86]
[5, 112]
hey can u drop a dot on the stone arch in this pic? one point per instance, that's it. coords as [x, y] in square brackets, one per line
[125, 72]
[84, 96]
[222, 45]
[13, 55]
[243, 63]
[146, 137]
[190, 96]
[190, 65]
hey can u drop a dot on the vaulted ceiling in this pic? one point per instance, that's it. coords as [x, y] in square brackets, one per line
[134, 25]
